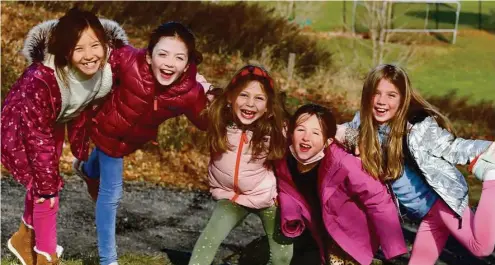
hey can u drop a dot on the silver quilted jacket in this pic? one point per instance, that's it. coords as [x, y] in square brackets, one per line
[436, 152]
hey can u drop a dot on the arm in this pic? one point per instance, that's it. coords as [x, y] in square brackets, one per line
[347, 134]
[204, 83]
[441, 143]
[379, 208]
[292, 222]
[195, 106]
[38, 127]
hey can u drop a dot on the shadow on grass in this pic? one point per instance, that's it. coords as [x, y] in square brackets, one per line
[465, 18]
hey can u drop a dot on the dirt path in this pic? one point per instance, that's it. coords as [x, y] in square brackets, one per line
[158, 221]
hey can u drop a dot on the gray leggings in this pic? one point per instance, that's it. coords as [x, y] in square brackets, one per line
[226, 216]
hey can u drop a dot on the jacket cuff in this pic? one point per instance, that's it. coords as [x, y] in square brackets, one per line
[471, 165]
[48, 196]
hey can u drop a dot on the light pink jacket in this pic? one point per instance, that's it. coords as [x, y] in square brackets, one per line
[234, 176]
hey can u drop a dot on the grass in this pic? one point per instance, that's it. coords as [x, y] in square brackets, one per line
[127, 259]
[330, 15]
[437, 67]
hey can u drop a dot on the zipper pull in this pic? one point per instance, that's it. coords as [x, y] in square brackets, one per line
[244, 137]
[155, 104]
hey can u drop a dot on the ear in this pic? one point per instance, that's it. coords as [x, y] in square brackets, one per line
[187, 67]
[329, 142]
[148, 58]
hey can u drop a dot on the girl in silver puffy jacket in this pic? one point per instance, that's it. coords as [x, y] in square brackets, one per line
[405, 142]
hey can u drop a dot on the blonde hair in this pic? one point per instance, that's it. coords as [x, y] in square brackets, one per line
[390, 164]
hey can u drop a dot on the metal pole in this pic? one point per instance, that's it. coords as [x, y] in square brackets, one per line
[456, 20]
[436, 14]
[479, 14]
[343, 12]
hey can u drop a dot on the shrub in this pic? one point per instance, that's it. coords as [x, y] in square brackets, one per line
[222, 27]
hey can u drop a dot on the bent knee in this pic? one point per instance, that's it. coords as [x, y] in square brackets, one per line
[483, 252]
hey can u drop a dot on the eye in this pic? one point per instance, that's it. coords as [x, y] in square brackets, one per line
[78, 49]
[316, 133]
[299, 130]
[243, 95]
[392, 95]
[260, 98]
[181, 58]
[96, 45]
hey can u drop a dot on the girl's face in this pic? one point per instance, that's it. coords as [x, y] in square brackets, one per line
[168, 60]
[307, 138]
[88, 54]
[251, 103]
[386, 101]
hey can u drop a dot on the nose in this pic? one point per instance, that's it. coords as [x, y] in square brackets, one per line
[380, 100]
[250, 101]
[88, 54]
[306, 136]
[168, 61]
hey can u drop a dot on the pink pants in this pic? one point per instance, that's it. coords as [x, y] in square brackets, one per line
[44, 221]
[477, 233]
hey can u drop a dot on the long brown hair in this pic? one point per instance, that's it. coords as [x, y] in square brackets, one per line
[66, 34]
[221, 115]
[390, 165]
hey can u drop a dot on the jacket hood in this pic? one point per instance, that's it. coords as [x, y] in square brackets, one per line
[36, 43]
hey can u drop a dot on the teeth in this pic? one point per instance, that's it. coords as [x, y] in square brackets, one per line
[167, 72]
[248, 112]
[305, 146]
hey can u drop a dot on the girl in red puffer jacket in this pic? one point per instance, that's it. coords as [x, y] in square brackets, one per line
[151, 86]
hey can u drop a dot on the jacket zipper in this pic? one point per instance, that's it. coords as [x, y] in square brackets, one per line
[243, 141]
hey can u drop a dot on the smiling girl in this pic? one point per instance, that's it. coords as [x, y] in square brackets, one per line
[405, 142]
[324, 192]
[151, 86]
[50, 95]
[245, 136]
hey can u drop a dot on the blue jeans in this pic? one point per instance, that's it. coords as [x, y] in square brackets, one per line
[109, 170]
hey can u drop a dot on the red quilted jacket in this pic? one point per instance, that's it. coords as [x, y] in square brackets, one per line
[131, 114]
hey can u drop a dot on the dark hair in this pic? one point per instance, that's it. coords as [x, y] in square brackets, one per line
[66, 34]
[178, 30]
[324, 115]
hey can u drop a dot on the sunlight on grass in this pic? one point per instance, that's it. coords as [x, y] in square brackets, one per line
[127, 259]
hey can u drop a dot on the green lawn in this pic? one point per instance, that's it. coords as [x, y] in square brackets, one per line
[127, 259]
[437, 68]
[330, 15]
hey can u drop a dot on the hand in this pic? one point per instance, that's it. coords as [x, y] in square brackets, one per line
[213, 93]
[41, 200]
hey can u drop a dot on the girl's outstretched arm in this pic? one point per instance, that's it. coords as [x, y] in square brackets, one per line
[441, 143]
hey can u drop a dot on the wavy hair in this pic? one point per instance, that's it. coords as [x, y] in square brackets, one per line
[221, 115]
[390, 164]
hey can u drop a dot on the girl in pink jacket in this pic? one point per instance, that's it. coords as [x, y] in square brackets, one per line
[245, 135]
[324, 189]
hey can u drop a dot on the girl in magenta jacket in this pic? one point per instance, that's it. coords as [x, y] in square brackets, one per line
[245, 136]
[324, 189]
[48, 97]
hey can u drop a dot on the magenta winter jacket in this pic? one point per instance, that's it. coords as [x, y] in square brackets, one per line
[31, 137]
[136, 106]
[358, 213]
